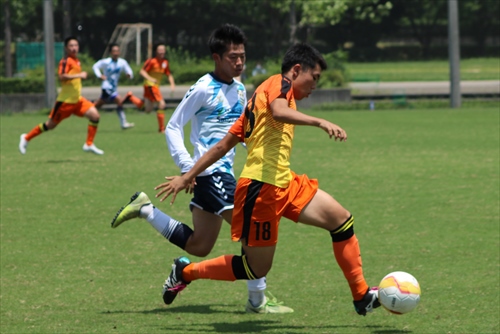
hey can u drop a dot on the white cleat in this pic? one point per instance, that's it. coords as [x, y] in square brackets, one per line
[92, 148]
[127, 125]
[23, 143]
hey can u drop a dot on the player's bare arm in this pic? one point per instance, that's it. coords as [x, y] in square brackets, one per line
[283, 113]
[66, 76]
[177, 183]
[146, 76]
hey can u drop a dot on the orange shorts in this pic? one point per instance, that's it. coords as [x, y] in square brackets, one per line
[152, 93]
[63, 110]
[258, 208]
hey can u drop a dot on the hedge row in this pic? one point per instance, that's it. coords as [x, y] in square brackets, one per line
[22, 85]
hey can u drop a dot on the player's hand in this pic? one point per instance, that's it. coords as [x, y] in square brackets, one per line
[83, 75]
[190, 188]
[172, 187]
[103, 77]
[333, 130]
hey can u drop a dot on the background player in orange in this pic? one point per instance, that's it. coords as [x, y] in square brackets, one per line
[152, 72]
[69, 101]
[268, 190]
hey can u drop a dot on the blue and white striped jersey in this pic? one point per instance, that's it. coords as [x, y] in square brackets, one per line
[112, 70]
[212, 106]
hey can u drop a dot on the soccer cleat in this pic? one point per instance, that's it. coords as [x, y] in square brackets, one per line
[268, 306]
[174, 283]
[131, 210]
[368, 303]
[23, 143]
[92, 148]
[127, 125]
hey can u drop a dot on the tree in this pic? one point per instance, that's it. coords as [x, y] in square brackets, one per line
[426, 20]
[8, 40]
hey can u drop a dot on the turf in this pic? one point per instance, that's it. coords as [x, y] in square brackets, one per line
[433, 70]
[423, 186]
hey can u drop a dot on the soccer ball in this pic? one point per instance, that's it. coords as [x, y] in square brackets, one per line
[399, 292]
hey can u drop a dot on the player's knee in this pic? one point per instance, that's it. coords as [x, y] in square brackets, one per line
[202, 251]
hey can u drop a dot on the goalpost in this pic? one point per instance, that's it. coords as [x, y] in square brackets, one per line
[126, 33]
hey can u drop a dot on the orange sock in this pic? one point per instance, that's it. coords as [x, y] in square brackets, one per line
[136, 101]
[37, 130]
[220, 269]
[160, 115]
[91, 131]
[348, 257]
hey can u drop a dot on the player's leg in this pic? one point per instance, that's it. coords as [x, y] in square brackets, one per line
[325, 212]
[206, 207]
[88, 110]
[257, 300]
[57, 114]
[160, 114]
[134, 99]
[116, 98]
[148, 106]
[258, 248]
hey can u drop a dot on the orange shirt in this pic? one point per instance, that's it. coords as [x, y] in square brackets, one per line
[269, 142]
[156, 68]
[71, 90]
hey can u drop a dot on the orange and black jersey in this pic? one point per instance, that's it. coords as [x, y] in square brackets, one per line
[269, 142]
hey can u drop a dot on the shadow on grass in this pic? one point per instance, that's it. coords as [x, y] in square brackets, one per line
[253, 325]
[262, 326]
[197, 309]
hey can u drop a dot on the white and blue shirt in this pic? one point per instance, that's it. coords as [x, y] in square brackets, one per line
[212, 106]
[112, 70]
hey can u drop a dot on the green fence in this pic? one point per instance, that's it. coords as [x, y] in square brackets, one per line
[31, 55]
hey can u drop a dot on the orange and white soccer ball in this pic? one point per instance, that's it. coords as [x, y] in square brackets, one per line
[399, 292]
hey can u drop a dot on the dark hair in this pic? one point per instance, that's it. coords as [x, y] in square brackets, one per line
[224, 36]
[156, 45]
[70, 38]
[303, 54]
[111, 46]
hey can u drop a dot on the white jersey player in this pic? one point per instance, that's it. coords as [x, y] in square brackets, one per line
[109, 70]
[212, 106]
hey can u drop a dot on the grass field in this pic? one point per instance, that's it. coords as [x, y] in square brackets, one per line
[438, 70]
[422, 184]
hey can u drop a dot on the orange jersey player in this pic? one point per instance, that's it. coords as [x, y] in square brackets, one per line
[152, 72]
[269, 190]
[69, 101]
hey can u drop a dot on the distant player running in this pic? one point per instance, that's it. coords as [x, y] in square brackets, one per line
[152, 72]
[268, 190]
[109, 71]
[69, 101]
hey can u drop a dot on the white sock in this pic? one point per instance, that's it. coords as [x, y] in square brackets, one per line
[146, 210]
[121, 115]
[256, 290]
[162, 222]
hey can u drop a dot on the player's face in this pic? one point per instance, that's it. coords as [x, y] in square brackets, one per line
[72, 48]
[160, 51]
[306, 81]
[231, 63]
[115, 52]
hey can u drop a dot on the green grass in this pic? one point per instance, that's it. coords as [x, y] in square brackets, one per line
[470, 69]
[423, 186]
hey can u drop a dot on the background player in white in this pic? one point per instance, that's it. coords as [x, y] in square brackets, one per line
[212, 105]
[109, 70]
